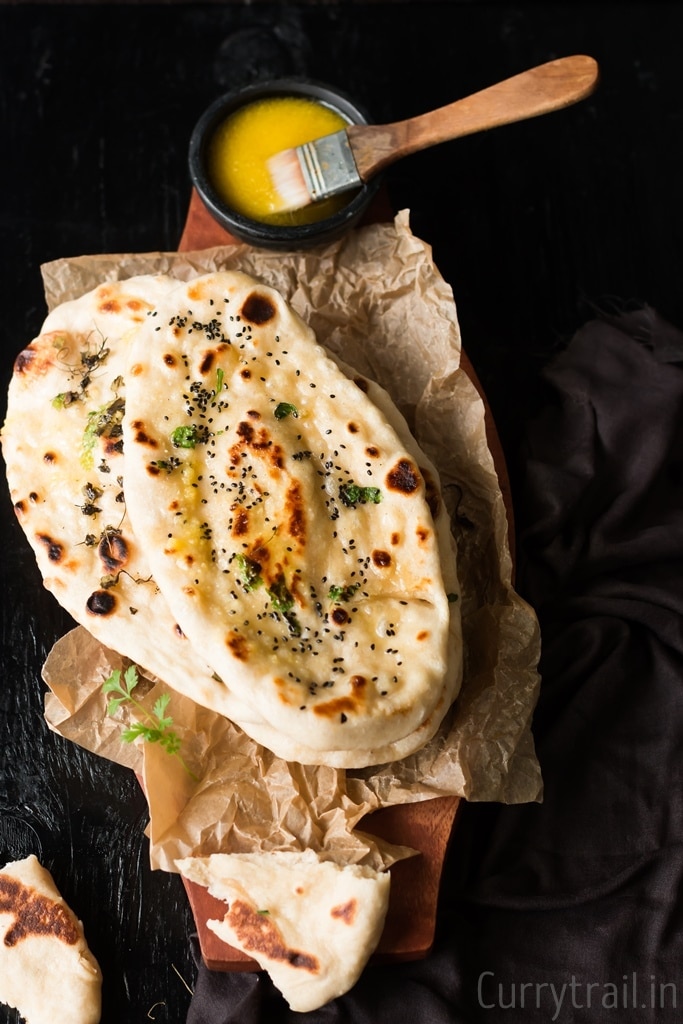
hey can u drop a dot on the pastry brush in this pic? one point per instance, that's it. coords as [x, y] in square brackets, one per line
[350, 157]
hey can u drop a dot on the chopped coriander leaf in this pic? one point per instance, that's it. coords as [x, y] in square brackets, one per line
[250, 572]
[281, 596]
[285, 409]
[351, 494]
[107, 421]
[220, 380]
[338, 594]
[283, 602]
[189, 436]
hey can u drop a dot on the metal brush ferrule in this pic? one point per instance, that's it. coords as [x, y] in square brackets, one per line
[328, 165]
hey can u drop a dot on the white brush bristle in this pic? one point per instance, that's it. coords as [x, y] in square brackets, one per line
[288, 181]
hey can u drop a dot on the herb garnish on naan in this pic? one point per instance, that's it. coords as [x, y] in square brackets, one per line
[287, 525]
[62, 442]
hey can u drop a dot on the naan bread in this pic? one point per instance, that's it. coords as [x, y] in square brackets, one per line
[310, 923]
[69, 480]
[47, 971]
[63, 447]
[288, 525]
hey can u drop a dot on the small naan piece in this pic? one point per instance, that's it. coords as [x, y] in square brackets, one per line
[62, 442]
[311, 924]
[47, 971]
[288, 525]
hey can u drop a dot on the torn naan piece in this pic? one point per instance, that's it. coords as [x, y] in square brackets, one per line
[47, 971]
[289, 527]
[62, 442]
[311, 924]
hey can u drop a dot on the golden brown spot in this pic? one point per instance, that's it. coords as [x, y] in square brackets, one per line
[422, 533]
[240, 524]
[260, 444]
[34, 914]
[361, 383]
[37, 357]
[55, 551]
[254, 414]
[24, 360]
[238, 646]
[170, 359]
[341, 707]
[245, 373]
[190, 591]
[352, 428]
[134, 304]
[395, 539]
[258, 933]
[101, 602]
[33, 497]
[258, 309]
[299, 890]
[339, 616]
[141, 436]
[404, 477]
[194, 292]
[189, 560]
[153, 469]
[113, 446]
[19, 507]
[49, 457]
[423, 634]
[113, 550]
[381, 558]
[371, 451]
[179, 631]
[136, 369]
[207, 362]
[294, 509]
[110, 306]
[345, 912]
[336, 707]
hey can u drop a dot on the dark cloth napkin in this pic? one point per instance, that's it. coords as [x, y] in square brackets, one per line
[570, 909]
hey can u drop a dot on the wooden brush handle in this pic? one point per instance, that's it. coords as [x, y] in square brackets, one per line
[540, 90]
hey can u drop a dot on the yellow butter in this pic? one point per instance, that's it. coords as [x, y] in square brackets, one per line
[244, 141]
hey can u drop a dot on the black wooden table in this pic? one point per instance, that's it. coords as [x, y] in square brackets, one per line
[535, 226]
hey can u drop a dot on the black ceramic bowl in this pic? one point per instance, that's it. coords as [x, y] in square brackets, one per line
[258, 233]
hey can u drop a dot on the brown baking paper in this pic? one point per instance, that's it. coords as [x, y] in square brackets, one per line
[377, 300]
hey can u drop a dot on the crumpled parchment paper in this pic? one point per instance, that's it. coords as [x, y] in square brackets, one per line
[377, 300]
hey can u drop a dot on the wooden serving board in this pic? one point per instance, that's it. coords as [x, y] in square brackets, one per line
[426, 826]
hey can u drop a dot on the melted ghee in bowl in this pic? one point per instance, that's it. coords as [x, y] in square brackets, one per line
[244, 141]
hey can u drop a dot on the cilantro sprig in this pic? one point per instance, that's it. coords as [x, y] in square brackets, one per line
[189, 436]
[284, 409]
[152, 727]
[351, 494]
[341, 593]
[282, 602]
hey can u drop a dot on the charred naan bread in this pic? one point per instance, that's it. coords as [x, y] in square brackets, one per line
[310, 923]
[288, 526]
[63, 447]
[47, 971]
